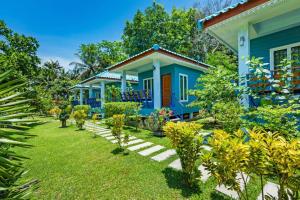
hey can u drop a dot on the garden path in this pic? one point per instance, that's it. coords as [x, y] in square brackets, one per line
[145, 148]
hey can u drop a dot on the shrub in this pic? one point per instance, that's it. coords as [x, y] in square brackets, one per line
[187, 141]
[55, 112]
[117, 108]
[267, 155]
[85, 108]
[80, 117]
[275, 118]
[118, 123]
[228, 157]
[228, 115]
[64, 115]
[157, 119]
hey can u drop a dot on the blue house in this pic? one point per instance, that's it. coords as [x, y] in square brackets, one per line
[259, 28]
[92, 90]
[164, 79]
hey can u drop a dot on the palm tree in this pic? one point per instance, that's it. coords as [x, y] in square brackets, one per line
[15, 110]
[90, 61]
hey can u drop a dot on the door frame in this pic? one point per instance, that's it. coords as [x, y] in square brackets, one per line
[162, 91]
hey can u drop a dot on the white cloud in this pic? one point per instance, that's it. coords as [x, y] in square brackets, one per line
[64, 62]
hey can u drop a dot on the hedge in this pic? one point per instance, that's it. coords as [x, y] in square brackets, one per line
[116, 108]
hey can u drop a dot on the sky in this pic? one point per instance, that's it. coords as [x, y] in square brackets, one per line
[61, 26]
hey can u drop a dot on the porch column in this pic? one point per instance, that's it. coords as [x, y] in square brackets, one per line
[243, 56]
[81, 96]
[90, 91]
[156, 85]
[123, 81]
[102, 93]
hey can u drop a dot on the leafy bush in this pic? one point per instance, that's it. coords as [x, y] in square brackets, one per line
[116, 108]
[275, 118]
[85, 108]
[187, 141]
[55, 112]
[228, 115]
[64, 115]
[80, 117]
[157, 119]
[118, 123]
[267, 155]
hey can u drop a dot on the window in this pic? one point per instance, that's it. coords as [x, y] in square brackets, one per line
[183, 87]
[148, 85]
[290, 52]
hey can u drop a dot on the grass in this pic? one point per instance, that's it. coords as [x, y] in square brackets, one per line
[71, 164]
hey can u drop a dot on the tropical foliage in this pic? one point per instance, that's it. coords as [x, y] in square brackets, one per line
[127, 108]
[15, 112]
[186, 139]
[266, 155]
[94, 58]
[117, 127]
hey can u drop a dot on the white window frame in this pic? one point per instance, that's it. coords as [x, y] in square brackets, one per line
[289, 52]
[151, 85]
[187, 88]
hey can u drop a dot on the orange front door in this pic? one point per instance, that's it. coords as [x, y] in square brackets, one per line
[166, 90]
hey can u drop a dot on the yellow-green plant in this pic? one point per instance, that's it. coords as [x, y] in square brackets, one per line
[229, 156]
[55, 112]
[284, 157]
[266, 155]
[118, 123]
[186, 139]
[80, 117]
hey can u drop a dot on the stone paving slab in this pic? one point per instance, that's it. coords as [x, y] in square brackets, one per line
[270, 189]
[139, 146]
[205, 174]
[116, 141]
[106, 135]
[133, 142]
[164, 155]
[110, 137]
[176, 164]
[151, 150]
[233, 194]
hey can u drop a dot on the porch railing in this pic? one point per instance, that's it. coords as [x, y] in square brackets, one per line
[264, 85]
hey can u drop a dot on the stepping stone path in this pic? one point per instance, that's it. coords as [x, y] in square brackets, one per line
[233, 194]
[133, 142]
[136, 144]
[151, 150]
[143, 145]
[164, 155]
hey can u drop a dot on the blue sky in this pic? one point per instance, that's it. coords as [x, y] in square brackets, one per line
[61, 26]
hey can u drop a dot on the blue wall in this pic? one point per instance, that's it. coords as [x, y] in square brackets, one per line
[175, 70]
[260, 47]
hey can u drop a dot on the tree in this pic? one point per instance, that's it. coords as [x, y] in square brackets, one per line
[111, 52]
[96, 57]
[19, 53]
[218, 84]
[173, 31]
[90, 61]
[51, 86]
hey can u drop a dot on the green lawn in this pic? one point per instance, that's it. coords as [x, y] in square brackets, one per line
[71, 164]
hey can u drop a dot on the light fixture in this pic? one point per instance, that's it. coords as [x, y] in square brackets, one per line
[242, 41]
